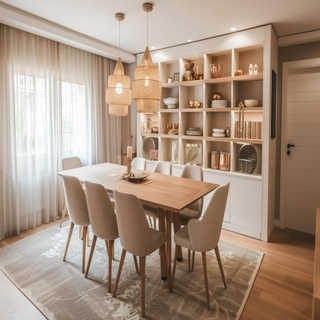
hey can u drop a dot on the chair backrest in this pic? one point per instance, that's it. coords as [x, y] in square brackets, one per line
[195, 173]
[71, 163]
[139, 163]
[102, 217]
[204, 234]
[134, 231]
[163, 167]
[76, 201]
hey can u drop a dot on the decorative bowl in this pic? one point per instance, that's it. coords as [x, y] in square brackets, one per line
[251, 103]
[170, 102]
[194, 104]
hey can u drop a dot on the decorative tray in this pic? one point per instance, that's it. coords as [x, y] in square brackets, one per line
[138, 179]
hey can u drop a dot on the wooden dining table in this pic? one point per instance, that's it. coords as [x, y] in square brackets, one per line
[169, 194]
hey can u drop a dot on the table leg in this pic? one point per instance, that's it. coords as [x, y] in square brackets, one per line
[161, 216]
[169, 219]
[177, 227]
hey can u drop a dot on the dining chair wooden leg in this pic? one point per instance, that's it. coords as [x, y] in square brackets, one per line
[143, 280]
[174, 266]
[68, 241]
[123, 255]
[84, 231]
[107, 246]
[189, 268]
[139, 266]
[88, 237]
[136, 263]
[193, 257]
[216, 249]
[204, 262]
[91, 254]
[168, 275]
[111, 245]
[63, 214]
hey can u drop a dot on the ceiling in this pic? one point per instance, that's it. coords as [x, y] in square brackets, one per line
[172, 22]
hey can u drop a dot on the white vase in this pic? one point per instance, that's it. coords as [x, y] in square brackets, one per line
[174, 152]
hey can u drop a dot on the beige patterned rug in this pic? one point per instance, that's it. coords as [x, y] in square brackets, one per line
[60, 291]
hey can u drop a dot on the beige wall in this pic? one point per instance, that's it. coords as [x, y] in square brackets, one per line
[285, 54]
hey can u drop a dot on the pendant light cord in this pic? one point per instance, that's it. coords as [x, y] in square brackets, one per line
[119, 38]
[147, 28]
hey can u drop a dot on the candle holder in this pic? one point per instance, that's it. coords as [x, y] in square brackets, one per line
[128, 172]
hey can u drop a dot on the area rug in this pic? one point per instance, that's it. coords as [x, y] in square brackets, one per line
[60, 291]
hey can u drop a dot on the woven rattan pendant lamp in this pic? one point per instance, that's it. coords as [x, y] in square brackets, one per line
[118, 94]
[146, 87]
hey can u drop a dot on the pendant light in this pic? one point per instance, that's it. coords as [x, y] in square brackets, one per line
[146, 87]
[118, 93]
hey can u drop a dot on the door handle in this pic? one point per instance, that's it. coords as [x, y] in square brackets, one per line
[290, 145]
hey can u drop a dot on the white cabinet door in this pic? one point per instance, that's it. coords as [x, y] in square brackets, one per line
[246, 203]
[221, 180]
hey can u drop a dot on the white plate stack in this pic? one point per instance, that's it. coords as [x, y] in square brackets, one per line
[219, 133]
[219, 104]
[195, 131]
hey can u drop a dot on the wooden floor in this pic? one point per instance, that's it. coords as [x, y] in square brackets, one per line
[282, 289]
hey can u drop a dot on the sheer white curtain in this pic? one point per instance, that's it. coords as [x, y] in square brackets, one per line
[52, 105]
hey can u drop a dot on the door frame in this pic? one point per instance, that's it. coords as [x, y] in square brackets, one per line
[299, 64]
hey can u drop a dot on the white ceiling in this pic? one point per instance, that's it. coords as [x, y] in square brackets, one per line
[172, 22]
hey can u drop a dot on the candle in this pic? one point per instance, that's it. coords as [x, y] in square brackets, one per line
[129, 152]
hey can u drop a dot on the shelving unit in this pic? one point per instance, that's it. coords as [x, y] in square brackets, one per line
[249, 47]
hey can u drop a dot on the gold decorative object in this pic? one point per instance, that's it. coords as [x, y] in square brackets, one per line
[194, 104]
[146, 87]
[118, 93]
[189, 74]
[216, 70]
[199, 73]
[238, 73]
[173, 131]
[216, 96]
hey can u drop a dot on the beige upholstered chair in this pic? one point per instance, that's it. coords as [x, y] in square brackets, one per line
[103, 222]
[67, 164]
[139, 163]
[152, 212]
[137, 237]
[77, 208]
[193, 210]
[203, 235]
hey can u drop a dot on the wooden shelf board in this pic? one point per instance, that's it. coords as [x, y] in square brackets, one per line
[186, 137]
[192, 109]
[212, 81]
[169, 110]
[228, 109]
[246, 109]
[143, 134]
[170, 136]
[248, 78]
[251, 141]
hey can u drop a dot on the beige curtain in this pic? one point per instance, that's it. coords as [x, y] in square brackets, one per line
[52, 105]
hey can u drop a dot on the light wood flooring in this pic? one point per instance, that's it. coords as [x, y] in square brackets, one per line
[282, 290]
